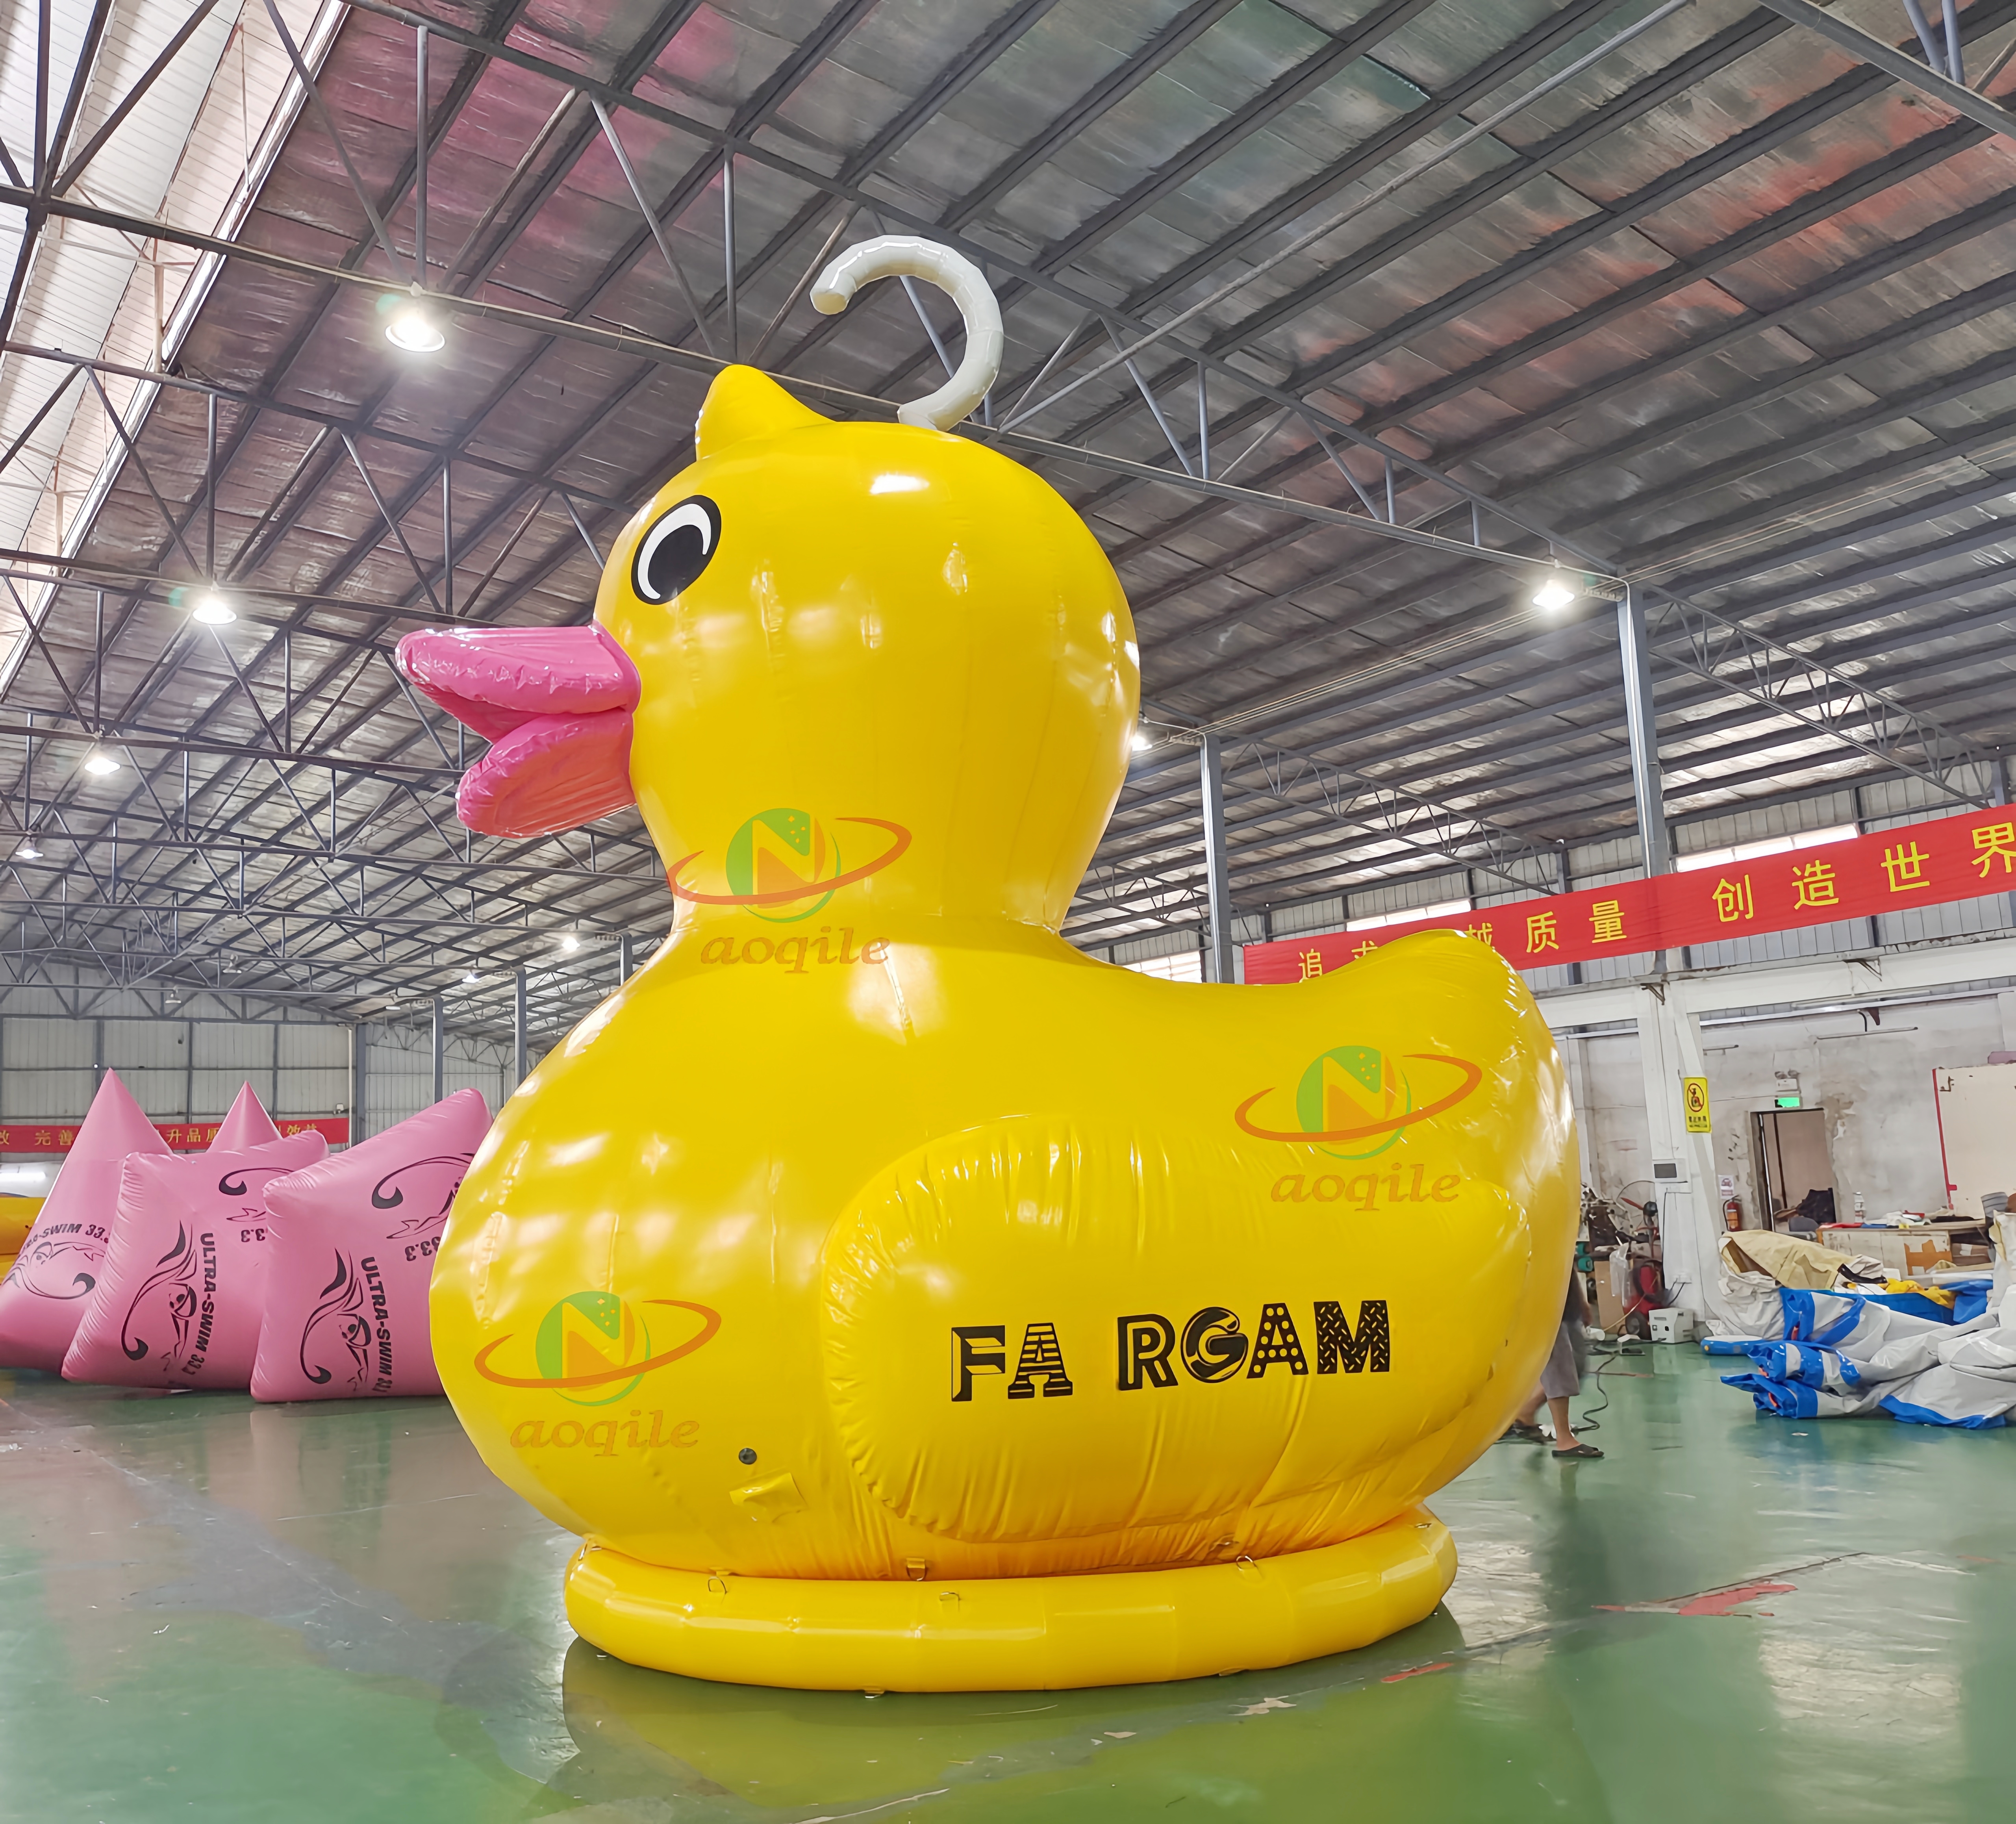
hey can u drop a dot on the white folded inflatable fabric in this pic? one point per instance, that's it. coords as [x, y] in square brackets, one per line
[1838, 1356]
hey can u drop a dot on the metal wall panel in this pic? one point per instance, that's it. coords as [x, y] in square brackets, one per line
[248, 1049]
[1404, 895]
[1313, 918]
[1779, 946]
[37, 1044]
[152, 1059]
[46, 1065]
[1767, 820]
[144, 1045]
[46, 1095]
[1159, 943]
[399, 1071]
[1960, 918]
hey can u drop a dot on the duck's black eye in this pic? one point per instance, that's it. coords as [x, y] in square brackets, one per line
[676, 548]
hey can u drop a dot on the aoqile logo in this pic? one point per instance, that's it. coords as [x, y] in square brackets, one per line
[1354, 1101]
[593, 1348]
[782, 858]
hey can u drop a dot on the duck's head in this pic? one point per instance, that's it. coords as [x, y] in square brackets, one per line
[827, 658]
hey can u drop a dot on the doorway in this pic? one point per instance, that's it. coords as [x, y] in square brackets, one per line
[1791, 1159]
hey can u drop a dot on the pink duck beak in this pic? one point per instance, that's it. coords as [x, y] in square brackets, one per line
[555, 703]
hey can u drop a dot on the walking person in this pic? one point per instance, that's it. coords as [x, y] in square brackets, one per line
[1560, 1379]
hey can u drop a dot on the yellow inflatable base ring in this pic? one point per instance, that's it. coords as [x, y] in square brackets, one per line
[1013, 1633]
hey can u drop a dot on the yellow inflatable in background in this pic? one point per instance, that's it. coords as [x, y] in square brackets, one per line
[17, 1217]
[892, 1296]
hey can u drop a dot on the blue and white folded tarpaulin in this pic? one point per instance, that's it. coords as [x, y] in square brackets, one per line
[1839, 1356]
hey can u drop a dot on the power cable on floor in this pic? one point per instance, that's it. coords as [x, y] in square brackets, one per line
[1587, 1421]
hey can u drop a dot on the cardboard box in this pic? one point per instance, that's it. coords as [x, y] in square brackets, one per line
[1902, 1252]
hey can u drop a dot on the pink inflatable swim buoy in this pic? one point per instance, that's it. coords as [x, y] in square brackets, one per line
[351, 1250]
[44, 1296]
[247, 1125]
[181, 1290]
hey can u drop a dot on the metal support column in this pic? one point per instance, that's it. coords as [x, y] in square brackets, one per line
[360, 1056]
[1872, 921]
[1998, 787]
[1217, 956]
[518, 1032]
[1639, 719]
[440, 1047]
[626, 959]
[1563, 883]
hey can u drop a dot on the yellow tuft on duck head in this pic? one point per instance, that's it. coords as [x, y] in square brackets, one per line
[845, 627]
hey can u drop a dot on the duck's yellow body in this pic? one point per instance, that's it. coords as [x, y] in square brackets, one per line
[893, 1296]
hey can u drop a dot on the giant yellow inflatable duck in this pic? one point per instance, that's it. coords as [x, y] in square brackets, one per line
[891, 1296]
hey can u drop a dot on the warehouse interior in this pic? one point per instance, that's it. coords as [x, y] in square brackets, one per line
[1560, 457]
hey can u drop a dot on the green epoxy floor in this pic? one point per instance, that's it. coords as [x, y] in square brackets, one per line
[210, 1609]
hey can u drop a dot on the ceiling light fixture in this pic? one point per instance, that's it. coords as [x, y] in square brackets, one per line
[1142, 743]
[472, 976]
[570, 942]
[27, 852]
[212, 611]
[412, 327]
[101, 766]
[1554, 594]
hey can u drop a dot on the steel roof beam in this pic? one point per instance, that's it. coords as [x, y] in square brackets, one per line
[1344, 47]
[1550, 34]
[261, 402]
[1735, 40]
[1896, 410]
[1492, 186]
[364, 715]
[760, 152]
[1838, 97]
[1857, 43]
[1175, 37]
[842, 18]
[1882, 479]
[1347, 45]
[1969, 225]
[964, 69]
[1491, 791]
[1969, 307]
[1432, 777]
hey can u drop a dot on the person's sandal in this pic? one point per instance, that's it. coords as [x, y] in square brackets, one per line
[1528, 1434]
[1579, 1450]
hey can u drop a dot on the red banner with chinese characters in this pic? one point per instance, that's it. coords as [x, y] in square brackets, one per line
[1918, 864]
[58, 1137]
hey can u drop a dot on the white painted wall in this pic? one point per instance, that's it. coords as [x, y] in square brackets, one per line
[1873, 1081]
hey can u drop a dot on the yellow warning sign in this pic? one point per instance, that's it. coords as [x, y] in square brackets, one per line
[1694, 1099]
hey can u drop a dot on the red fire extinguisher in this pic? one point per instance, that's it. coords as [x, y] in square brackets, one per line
[1732, 1212]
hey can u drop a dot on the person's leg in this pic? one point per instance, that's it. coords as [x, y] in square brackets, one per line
[1572, 1446]
[1522, 1426]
